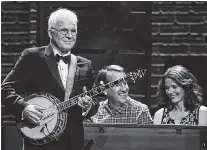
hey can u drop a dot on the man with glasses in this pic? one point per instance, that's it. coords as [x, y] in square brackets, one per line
[46, 69]
[119, 107]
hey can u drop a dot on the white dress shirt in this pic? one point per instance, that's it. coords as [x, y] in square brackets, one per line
[63, 71]
[62, 67]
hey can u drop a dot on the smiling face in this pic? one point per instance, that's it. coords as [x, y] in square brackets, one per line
[119, 93]
[63, 43]
[174, 91]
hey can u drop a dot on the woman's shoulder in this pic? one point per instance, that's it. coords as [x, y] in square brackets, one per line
[203, 108]
[160, 111]
[203, 115]
[158, 116]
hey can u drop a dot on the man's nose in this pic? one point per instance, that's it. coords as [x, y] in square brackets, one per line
[69, 34]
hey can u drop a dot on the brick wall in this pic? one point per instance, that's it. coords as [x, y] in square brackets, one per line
[107, 40]
[179, 30]
[18, 26]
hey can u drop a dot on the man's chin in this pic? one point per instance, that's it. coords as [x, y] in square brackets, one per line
[66, 49]
[68, 45]
[123, 98]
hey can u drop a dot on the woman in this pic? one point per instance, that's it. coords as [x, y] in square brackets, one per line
[181, 97]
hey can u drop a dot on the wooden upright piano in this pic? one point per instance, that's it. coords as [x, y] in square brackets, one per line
[128, 137]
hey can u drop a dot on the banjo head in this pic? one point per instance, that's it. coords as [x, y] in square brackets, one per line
[50, 128]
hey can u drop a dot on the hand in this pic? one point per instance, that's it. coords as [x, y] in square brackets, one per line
[86, 101]
[33, 113]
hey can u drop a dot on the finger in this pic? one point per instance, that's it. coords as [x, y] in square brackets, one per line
[33, 117]
[32, 109]
[83, 106]
[84, 100]
[84, 89]
[85, 103]
[33, 121]
[87, 97]
[36, 112]
[39, 108]
[80, 102]
[88, 100]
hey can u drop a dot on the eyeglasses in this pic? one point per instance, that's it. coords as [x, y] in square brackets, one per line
[66, 31]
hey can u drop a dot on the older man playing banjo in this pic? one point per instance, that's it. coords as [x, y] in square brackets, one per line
[37, 89]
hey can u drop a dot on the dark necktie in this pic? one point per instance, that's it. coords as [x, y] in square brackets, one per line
[65, 59]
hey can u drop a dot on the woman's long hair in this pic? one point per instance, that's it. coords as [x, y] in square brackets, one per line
[185, 79]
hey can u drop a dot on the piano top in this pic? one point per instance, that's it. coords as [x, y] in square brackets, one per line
[144, 126]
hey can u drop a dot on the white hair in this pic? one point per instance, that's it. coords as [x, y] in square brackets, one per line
[53, 18]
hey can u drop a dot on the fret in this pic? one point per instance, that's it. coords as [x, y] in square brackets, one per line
[119, 81]
[102, 88]
[73, 101]
[65, 105]
[95, 91]
[58, 107]
[68, 104]
[107, 86]
[111, 84]
[83, 94]
[89, 93]
[122, 80]
[61, 107]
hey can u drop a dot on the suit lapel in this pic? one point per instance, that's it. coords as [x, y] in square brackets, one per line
[52, 65]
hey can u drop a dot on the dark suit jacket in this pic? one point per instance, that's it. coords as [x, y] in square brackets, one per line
[36, 71]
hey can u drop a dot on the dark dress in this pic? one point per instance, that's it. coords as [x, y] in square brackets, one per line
[190, 119]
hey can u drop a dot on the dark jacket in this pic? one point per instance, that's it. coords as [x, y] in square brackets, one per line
[36, 71]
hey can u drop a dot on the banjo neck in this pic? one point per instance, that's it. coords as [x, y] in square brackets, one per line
[97, 90]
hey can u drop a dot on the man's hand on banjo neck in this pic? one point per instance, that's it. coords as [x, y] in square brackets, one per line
[85, 102]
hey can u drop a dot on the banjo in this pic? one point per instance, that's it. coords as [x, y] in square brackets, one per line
[54, 118]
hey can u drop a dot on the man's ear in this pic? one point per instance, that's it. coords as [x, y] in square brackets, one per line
[49, 34]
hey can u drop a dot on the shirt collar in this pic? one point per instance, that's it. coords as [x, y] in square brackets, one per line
[116, 110]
